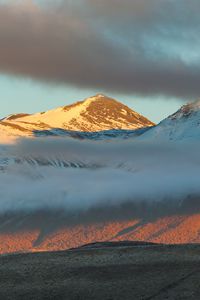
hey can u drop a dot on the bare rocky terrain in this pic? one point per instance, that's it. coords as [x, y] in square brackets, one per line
[110, 271]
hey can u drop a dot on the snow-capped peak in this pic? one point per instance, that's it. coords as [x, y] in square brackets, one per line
[187, 109]
[95, 98]
[96, 113]
[193, 105]
[183, 124]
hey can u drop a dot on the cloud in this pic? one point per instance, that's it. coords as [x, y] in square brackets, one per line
[95, 181]
[141, 47]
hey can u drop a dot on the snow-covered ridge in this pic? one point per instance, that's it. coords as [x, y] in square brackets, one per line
[97, 113]
[187, 110]
[100, 117]
[182, 125]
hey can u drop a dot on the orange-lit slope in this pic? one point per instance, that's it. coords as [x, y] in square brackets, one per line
[176, 229]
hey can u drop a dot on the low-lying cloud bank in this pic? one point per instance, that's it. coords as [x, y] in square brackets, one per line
[106, 180]
[131, 46]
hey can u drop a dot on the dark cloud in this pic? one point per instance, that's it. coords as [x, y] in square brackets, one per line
[131, 46]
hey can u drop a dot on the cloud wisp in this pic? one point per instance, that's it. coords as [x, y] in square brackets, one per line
[138, 46]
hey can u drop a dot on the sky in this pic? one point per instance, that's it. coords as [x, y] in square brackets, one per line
[144, 53]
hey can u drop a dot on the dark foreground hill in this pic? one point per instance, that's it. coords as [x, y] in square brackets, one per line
[108, 271]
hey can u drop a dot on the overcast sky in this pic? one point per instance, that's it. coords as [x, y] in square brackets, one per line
[146, 53]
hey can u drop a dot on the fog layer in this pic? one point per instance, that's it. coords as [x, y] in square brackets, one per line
[99, 180]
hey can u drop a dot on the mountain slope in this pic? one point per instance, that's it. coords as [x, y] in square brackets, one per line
[94, 114]
[39, 232]
[180, 126]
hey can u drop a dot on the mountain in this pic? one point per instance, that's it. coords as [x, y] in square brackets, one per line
[182, 125]
[40, 232]
[97, 113]
[37, 179]
[100, 117]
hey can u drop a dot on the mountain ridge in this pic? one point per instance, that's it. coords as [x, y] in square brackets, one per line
[101, 117]
[182, 125]
[96, 113]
